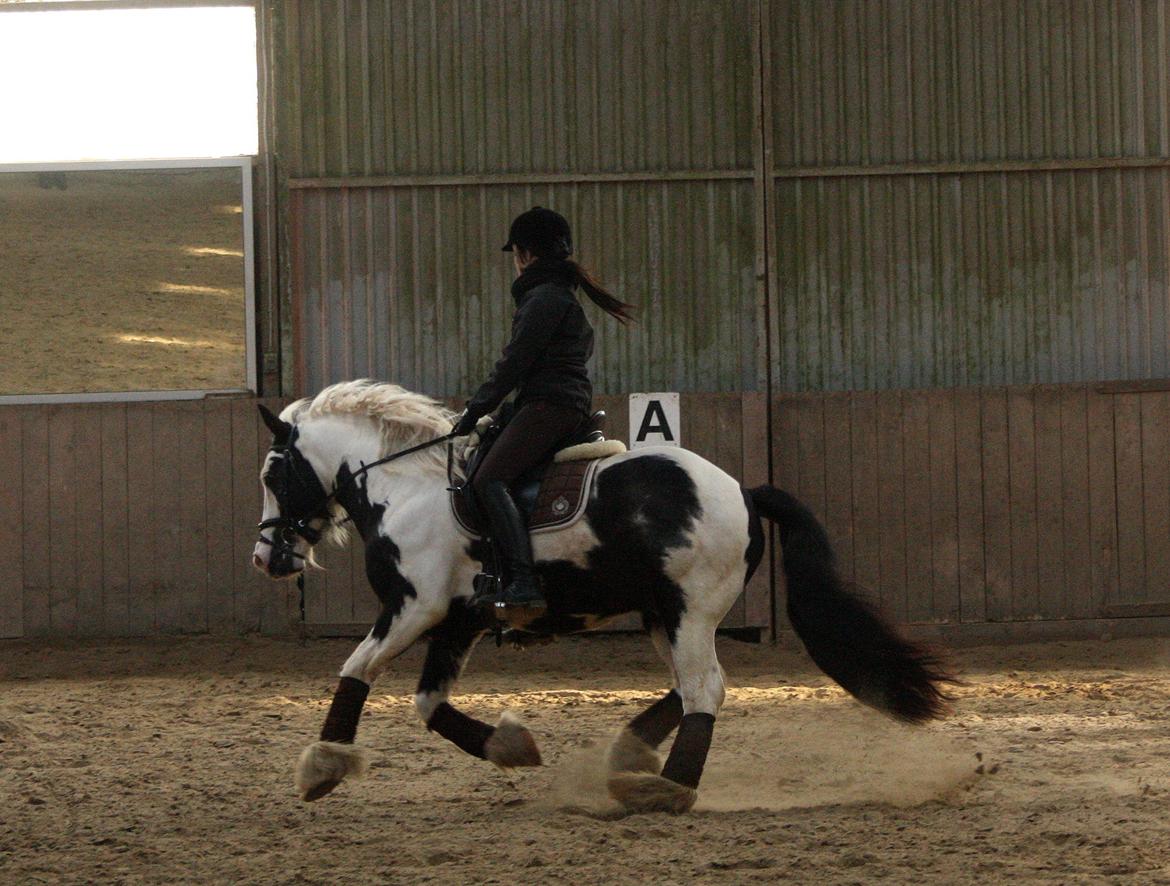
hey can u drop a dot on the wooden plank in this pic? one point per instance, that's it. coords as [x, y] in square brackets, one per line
[697, 416]
[141, 506]
[1075, 531]
[35, 542]
[89, 530]
[246, 508]
[168, 459]
[316, 597]
[220, 531]
[727, 442]
[62, 521]
[969, 503]
[1131, 549]
[786, 470]
[754, 442]
[996, 505]
[1138, 386]
[115, 522]
[1156, 493]
[810, 417]
[838, 439]
[866, 512]
[1051, 583]
[1102, 500]
[786, 444]
[11, 519]
[891, 503]
[729, 434]
[1136, 610]
[1021, 412]
[191, 511]
[944, 510]
[916, 486]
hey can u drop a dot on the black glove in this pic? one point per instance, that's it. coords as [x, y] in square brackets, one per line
[465, 425]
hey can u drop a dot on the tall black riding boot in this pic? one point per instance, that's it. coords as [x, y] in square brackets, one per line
[512, 537]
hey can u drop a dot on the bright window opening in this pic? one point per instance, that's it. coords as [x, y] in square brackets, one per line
[127, 84]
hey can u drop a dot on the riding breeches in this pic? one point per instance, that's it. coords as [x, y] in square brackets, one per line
[526, 441]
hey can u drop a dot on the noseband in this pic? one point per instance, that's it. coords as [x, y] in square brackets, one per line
[287, 529]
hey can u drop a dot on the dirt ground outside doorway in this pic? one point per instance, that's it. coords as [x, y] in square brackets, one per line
[171, 761]
[122, 280]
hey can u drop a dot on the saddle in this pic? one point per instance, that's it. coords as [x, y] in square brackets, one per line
[552, 495]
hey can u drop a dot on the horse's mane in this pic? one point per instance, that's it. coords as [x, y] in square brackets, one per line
[404, 418]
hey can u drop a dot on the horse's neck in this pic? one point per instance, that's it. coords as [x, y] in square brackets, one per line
[384, 495]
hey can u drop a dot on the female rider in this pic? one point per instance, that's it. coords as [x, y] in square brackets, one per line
[544, 362]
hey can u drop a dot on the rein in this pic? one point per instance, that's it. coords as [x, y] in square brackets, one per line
[288, 529]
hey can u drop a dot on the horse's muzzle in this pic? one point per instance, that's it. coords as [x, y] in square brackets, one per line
[277, 565]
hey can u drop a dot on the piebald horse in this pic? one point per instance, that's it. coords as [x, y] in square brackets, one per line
[664, 534]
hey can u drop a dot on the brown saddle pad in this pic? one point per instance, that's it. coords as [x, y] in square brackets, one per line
[564, 492]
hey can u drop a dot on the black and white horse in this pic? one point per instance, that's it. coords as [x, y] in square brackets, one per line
[665, 534]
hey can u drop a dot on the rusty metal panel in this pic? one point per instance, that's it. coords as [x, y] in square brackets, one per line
[941, 280]
[412, 87]
[409, 283]
[865, 82]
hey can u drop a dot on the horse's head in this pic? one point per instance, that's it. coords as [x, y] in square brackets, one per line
[296, 505]
[324, 444]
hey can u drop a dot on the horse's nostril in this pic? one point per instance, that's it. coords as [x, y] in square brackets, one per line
[257, 562]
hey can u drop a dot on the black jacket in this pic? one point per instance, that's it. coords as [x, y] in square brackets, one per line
[551, 342]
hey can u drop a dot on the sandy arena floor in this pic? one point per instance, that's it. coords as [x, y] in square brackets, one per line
[159, 762]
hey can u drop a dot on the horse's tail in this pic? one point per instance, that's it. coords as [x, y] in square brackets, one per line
[847, 636]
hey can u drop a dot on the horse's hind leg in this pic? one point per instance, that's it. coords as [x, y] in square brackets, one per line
[507, 744]
[634, 748]
[700, 686]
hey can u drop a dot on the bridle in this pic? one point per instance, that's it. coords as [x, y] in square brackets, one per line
[288, 529]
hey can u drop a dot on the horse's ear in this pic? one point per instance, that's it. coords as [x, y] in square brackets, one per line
[281, 430]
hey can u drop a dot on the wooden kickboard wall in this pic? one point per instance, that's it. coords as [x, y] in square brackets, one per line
[952, 507]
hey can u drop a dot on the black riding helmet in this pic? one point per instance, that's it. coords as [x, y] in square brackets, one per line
[542, 232]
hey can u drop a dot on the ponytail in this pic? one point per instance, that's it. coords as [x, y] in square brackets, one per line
[609, 303]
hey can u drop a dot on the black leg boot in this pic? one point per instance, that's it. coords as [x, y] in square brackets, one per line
[512, 537]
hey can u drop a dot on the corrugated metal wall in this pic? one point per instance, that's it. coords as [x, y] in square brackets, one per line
[968, 193]
[409, 283]
[443, 87]
[414, 131]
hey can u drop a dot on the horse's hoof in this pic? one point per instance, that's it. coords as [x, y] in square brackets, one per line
[644, 792]
[511, 745]
[628, 753]
[319, 791]
[323, 765]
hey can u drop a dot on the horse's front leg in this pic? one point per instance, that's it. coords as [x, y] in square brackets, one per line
[324, 764]
[507, 744]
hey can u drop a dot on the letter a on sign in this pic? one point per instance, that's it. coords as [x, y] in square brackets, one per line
[654, 420]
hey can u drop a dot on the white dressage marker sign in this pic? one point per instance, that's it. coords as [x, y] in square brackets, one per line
[654, 420]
